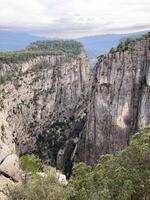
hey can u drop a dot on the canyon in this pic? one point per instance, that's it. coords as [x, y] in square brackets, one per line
[53, 105]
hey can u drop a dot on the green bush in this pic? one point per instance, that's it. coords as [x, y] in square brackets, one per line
[29, 163]
[39, 188]
[125, 176]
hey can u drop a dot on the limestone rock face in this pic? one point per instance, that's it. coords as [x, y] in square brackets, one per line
[10, 167]
[4, 184]
[40, 96]
[45, 89]
[119, 101]
[4, 151]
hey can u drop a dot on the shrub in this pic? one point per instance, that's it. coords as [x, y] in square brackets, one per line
[29, 163]
[39, 188]
[125, 176]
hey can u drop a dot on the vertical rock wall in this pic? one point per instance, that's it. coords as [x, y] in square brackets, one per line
[119, 102]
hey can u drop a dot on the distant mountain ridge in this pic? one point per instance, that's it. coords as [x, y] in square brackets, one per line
[11, 41]
[95, 45]
[101, 44]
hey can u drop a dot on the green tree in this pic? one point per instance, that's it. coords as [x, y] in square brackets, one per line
[124, 176]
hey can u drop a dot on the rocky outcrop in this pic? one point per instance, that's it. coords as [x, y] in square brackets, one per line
[10, 167]
[119, 101]
[4, 184]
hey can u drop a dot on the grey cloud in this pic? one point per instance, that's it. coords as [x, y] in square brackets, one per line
[65, 28]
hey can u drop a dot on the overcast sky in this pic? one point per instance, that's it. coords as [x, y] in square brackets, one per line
[75, 18]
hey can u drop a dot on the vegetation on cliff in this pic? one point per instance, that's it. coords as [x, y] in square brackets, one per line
[57, 46]
[124, 45]
[124, 176]
[42, 48]
[29, 163]
[19, 56]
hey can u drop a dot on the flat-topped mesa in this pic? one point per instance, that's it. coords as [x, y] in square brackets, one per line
[66, 49]
[120, 99]
[56, 47]
[38, 89]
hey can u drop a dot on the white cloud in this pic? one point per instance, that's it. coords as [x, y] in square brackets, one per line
[23, 13]
[74, 18]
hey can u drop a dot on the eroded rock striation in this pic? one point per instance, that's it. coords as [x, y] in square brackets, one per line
[41, 92]
[119, 100]
[54, 106]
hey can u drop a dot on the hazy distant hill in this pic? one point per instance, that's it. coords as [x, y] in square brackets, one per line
[95, 45]
[10, 41]
[101, 44]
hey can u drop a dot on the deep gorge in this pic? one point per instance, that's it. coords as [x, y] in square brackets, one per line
[55, 106]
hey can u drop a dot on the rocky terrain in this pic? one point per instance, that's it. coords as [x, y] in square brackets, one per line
[55, 106]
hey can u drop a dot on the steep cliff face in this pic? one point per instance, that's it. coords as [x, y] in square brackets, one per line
[119, 102]
[41, 97]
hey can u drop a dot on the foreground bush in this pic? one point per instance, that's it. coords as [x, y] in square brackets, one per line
[125, 176]
[39, 188]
